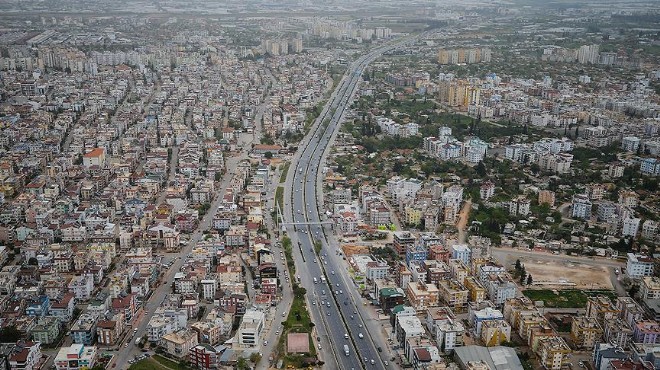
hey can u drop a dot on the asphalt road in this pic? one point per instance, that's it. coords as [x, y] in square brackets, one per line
[336, 312]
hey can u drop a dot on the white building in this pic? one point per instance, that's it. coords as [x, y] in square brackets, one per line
[639, 266]
[630, 226]
[581, 206]
[250, 329]
[76, 357]
[461, 252]
[630, 143]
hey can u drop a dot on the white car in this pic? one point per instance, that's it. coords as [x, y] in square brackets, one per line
[360, 335]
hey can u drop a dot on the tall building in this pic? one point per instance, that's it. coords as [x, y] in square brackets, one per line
[588, 54]
[581, 206]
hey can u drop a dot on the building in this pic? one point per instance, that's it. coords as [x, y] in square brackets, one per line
[586, 332]
[487, 190]
[76, 357]
[553, 353]
[604, 353]
[180, 343]
[581, 207]
[650, 287]
[96, 157]
[204, 357]
[495, 358]
[422, 295]
[461, 252]
[646, 332]
[639, 265]
[454, 294]
[408, 327]
[650, 166]
[47, 330]
[250, 329]
[630, 226]
[83, 330]
[446, 330]
[495, 332]
[478, 314]
[547, 197]
[25, 356]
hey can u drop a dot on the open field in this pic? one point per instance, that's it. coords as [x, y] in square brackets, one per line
[567, 274]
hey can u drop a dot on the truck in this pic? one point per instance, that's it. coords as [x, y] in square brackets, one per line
[346, 349]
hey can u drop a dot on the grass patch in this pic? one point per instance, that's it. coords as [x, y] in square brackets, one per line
[169, 363]
[157, 362]
[571, 298]
[287, 245]
[279, 197]
[285, 171]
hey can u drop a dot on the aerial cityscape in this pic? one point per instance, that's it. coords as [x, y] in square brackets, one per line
[297, 184]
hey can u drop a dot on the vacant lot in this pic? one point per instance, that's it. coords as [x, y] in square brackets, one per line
[568, 274]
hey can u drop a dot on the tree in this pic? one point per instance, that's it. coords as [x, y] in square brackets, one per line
[242, 364]
[268, 155]
[9, 334]
[518, 265]
[33, 261]
[481, 169]
[529, 279]
[255, 357]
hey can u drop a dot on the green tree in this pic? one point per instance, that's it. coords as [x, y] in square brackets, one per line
[9, 334]
[268, 155]
[529, 279]
[255, 357]
[242, 364]
[33, 261]
[518, 265]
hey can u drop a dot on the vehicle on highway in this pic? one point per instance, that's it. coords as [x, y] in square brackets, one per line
[373, 362]
[360, 335]
[346, 336]
[346, 352]
[316, 281]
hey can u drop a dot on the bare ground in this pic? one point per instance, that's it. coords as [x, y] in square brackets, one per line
[568, 274]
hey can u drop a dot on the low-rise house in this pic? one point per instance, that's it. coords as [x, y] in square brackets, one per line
[180, 343]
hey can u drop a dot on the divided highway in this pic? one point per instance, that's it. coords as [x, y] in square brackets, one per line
[337, 316]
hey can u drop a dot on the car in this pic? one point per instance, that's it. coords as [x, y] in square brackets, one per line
[359, 326]
[386, 363]
[265, 343]
[284, 314]
[360, 335]
[355, 312]
[332, 272]
[345, 303]
[328, 313]
[373, 362]
[379, 349]
[337, 285]
[341, 292]
[328, 303]
[313, 303]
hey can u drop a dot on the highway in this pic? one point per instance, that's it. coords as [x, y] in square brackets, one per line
[335, 311]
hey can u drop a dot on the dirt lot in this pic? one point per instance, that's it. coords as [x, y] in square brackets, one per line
[567, 274]
[351, 249]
